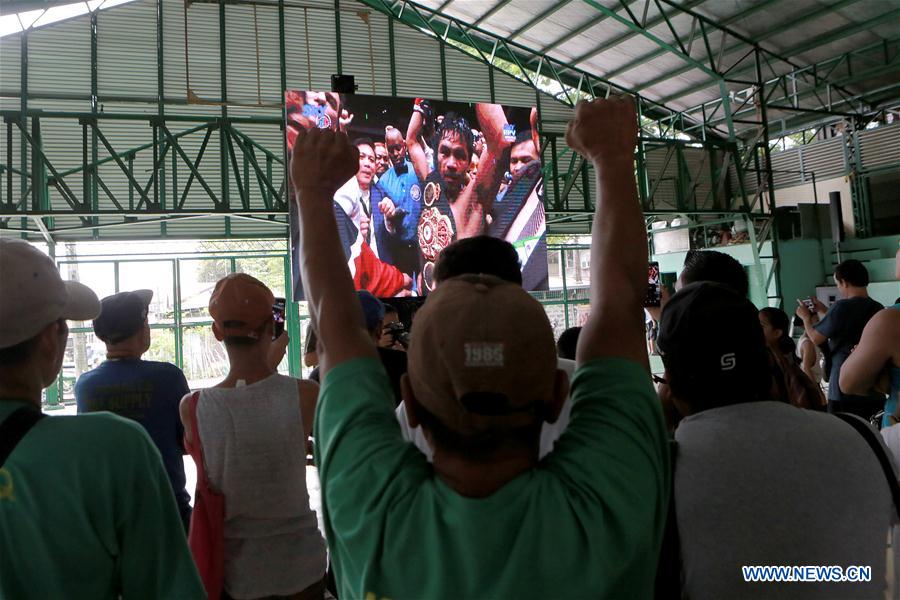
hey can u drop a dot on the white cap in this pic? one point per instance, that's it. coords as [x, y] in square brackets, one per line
[33, 295]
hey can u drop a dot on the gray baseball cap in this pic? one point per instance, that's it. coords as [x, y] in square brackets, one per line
[33, 295]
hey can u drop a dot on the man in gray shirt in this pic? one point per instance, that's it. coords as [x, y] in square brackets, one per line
[757, 482]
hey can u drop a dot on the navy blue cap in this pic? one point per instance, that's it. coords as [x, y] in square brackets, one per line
[373, 309]
[122, 315]
[710, 333]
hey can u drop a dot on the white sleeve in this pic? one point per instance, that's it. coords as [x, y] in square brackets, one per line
[412, 434]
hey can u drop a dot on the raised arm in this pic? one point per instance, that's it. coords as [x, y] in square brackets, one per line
[878, 347]
[807, 316]
[808, 357]
[322, 161]
[605, 132]
[478, 197]
[413, 148]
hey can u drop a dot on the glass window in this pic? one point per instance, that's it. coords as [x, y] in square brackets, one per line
[162, 345]
[157, 276]
[198, 279]
[84, 351]
[270, 270]
[556, 313]
[205, 361]
[99, 276]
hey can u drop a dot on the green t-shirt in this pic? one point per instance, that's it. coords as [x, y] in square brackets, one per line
[87, 511]
[586, 523]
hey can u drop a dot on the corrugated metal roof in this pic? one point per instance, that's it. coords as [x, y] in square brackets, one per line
[599, 37]
[59, 67]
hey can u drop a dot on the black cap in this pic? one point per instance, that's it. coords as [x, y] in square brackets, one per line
[122, 315]
[711, 337]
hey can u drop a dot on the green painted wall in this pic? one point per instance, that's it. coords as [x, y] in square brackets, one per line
[672, 262]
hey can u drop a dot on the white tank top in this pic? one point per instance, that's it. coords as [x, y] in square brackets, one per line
[817, 367]
[255, 454]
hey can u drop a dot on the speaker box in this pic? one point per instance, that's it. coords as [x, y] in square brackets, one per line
[815, 221]
[788, 220]
[837, 217]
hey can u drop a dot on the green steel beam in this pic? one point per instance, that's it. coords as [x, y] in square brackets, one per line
[337, 35]
[641, 60]
[879, 52]
[578, 30]
[45, 114]
[538, 18]
[490, 47]
[761, 37]
[875, 72]
[821, 40]
[225, 198]
[891, 92]
[637, 29]
[630, 34]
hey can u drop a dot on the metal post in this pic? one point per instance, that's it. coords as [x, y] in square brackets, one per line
[562, 264]
[557, 201]
[130, 159]
[223, 133]
[443, 70]
[281, 48]
[337, 35]
[54, 391]
[770, 183]
[37, 164]
[179, 330]
[23, 106]
[393, 59]
[643, 182]
[159, 179]
[726, 107]
[94, 201]
[491, 83]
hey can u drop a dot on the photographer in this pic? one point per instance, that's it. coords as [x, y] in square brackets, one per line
[393, 331]
[394, 360]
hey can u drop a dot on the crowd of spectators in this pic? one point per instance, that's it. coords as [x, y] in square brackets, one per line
[538, 467]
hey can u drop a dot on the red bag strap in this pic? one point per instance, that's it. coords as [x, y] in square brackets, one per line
[195, 447]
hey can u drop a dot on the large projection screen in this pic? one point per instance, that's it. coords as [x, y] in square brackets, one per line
[431, 172]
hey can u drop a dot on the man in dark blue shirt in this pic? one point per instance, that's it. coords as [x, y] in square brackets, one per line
[842, 327]
[145, 391]
[403, 191]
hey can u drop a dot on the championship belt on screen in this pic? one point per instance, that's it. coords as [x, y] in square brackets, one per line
[435, 232]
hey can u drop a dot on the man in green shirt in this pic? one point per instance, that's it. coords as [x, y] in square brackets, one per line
[488, 519]
[86, 508]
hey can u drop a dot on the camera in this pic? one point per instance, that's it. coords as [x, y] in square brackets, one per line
[398, 333]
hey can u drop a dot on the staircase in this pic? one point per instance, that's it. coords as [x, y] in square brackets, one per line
[878, 255]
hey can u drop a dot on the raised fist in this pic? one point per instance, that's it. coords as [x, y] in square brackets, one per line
[345, 120]
[387, 208]
[604, 129]
[324, 159]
